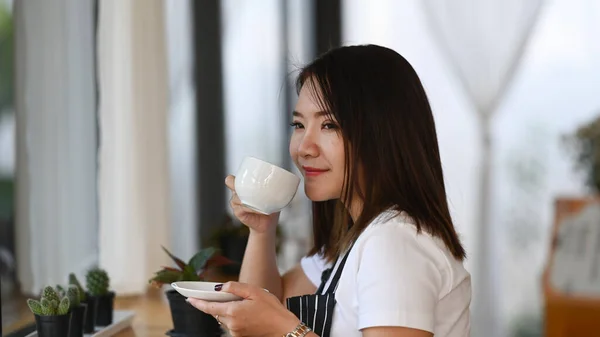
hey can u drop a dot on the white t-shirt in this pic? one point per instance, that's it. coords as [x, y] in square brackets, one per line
[396, 277]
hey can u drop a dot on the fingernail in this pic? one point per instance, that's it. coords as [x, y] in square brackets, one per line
[218, 287]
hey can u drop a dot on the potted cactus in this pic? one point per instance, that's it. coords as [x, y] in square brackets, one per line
[100, 298]
[78, 311]
[51, 313]
[187, 320]
[88, 318]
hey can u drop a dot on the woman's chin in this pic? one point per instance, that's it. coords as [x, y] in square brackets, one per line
[317, 196]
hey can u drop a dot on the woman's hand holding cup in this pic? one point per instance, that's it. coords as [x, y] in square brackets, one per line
[256, 221]
[260, 190]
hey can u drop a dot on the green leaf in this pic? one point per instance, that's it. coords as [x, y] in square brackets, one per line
[64, 306]
[60, 291]
[73, 295]
[218, 261]
[171, 269]
[48, 307]
[166, 277]
[74, 281]
[50, 294]
[189, 274]
[199, 260]
[177, 260]
[213, 262]
[35, 306]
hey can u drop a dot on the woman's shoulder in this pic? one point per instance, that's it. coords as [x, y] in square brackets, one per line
[393, 237]
[399, 228]
[396, 227]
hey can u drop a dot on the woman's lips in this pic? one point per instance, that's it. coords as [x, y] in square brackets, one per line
[313, 171]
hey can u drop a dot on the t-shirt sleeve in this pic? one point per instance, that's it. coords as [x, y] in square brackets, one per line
[313, 266]
[398, 281]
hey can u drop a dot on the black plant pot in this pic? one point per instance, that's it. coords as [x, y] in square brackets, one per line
[89, 325]
[52, 326]
[78, 316]
[102, 308]
[189, 321]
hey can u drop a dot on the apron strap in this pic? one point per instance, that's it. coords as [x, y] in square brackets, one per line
[324, 278]
[338, 273]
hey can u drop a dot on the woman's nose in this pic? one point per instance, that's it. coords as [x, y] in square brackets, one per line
[308, 146]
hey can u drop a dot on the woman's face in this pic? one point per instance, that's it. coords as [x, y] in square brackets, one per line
[317, 148]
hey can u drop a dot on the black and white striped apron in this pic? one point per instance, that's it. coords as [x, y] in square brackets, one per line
[316, 311]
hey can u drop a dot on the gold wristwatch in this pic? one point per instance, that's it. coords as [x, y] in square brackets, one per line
[300, 331]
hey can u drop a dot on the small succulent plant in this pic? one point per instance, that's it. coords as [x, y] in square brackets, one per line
[60, 291]
[50, 303]
[75, 282]
[73, 295]
[71, 292]
[193, 270]
[97, 282]
[50, 294]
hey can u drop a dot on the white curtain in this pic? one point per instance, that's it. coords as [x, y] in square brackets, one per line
[133, 154]
[182, 127]
[56, 203]
[483, 41]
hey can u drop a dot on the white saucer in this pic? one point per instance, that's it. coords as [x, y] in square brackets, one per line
[203, 291]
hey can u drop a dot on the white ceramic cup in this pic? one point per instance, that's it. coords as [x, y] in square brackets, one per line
[264, 187]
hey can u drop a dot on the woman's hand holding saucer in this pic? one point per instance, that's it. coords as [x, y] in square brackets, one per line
[259, 313]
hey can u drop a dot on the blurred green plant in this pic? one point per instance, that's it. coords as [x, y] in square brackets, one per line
[6, 59]
[231, 228]
[585, 144]
[194, 270]
[97, 282]
[528, 325]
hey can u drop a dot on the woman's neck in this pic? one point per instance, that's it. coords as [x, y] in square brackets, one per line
[355, 208]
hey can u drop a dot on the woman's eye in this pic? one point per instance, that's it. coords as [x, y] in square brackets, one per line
[330, 126]
[297, 125]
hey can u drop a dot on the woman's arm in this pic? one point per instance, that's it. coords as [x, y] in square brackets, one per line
[296, 283]
[260, 268]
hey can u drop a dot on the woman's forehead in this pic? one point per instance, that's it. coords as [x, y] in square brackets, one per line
[309, 100]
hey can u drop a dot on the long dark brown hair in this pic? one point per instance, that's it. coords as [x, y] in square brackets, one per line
[390, 144]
